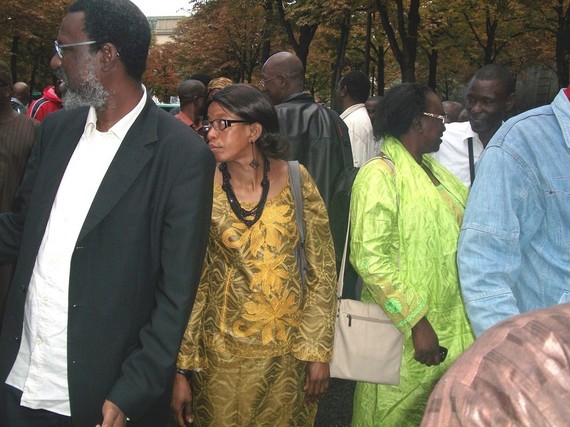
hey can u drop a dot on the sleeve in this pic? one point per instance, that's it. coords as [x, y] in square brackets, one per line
[316, 330]
[375, 245]
[192, 350]
[358, 143]
[148, 371]
[12, 223]
[503, 211]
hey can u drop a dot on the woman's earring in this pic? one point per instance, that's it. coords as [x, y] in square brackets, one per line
[254, 163]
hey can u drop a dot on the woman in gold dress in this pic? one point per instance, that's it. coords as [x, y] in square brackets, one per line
[258, 343]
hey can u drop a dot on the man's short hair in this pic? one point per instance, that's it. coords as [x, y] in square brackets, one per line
[189, 89]
[121, 23]
[497, 72]
[357, 85]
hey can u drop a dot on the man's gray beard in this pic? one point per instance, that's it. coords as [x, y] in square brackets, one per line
[91, 93]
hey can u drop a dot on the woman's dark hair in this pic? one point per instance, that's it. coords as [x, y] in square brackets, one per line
[399, 107]
[248, 103]
[121, 23]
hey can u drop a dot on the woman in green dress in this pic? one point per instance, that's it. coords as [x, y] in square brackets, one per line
[258, 343]
[405, 225]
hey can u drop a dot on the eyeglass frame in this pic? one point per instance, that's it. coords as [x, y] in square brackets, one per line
[436, 116]
[59, 47]
[262, 82]
[207, 124]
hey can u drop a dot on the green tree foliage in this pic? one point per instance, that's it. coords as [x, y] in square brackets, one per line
[222, 37]
[161, 73]
[437, 42]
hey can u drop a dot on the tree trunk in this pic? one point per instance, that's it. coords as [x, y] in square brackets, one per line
[339, 62]
[266, 48]
[432, 77]
[14, 58]
[367, 43]
[306, 35]
[404, 45]
[381, 64]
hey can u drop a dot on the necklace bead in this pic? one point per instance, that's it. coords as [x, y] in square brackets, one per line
[241, 212]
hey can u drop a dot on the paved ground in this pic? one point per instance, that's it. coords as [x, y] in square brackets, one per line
[335, 409]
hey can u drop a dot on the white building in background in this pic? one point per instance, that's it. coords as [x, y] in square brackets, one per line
[163, 27]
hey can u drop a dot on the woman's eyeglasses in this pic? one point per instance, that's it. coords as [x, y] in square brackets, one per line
[219, 124]
[436, 116]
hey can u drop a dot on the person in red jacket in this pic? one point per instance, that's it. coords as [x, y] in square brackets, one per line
[49, 102]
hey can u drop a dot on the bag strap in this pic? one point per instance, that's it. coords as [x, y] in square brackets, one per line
[340, 280]
[471, 159]
[296, 190]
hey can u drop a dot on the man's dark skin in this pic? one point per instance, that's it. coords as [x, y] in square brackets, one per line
[487, 102]
[193, 94]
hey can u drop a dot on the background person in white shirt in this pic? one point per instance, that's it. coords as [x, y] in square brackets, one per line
[352, 92]
[490, 96]
[110, 233]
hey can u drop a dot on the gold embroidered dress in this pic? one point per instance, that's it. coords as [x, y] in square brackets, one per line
[253, 324]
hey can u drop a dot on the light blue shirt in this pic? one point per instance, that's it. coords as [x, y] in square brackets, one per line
[514, 248]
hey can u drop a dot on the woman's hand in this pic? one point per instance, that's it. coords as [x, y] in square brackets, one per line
[317, 381]
[426, 343]
[181, 403]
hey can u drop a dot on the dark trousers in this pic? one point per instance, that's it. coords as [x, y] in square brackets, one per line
[14, 415]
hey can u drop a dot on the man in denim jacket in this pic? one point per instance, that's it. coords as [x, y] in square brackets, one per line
[514, 248]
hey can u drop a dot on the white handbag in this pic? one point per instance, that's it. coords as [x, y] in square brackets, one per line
[367, 345]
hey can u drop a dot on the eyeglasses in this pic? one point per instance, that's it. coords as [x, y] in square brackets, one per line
[262, 82]
[219, 124]
[436, 116]
[59, 47]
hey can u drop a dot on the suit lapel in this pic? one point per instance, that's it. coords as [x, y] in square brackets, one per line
[131, 158]
[65, 136]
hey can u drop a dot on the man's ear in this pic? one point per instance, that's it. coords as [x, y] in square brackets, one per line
[109, 56]
[283, 82]
[417, 124]
[511, 99]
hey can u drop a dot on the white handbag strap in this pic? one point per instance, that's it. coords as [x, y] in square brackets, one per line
[340, 280]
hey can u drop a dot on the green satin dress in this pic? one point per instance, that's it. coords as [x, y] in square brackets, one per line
[404, 233]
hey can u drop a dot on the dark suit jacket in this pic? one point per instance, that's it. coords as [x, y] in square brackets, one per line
[135, 267]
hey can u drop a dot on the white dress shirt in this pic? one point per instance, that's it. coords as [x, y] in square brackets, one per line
[40, 369]
[453, 152]
[361, 135]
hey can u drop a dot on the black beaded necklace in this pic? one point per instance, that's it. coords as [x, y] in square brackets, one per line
[240, 212]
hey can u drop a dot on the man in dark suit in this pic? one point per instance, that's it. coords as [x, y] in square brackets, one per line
[109, 232]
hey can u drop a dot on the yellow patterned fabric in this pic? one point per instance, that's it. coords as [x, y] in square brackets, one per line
[404, 233]
[251, 304]
[251, 392]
